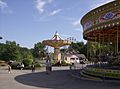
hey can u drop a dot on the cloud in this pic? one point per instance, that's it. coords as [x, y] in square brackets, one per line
[4, 8]
[55, 12]
[40, 4]
[3, 5]
[98, 3]
[76, 23]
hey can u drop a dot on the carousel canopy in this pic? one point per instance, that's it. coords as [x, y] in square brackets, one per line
[56, 41]
[56, 37]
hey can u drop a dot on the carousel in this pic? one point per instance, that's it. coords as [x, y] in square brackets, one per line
[56, 42]
[102, 25]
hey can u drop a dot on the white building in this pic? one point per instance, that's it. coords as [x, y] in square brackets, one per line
[73, 58]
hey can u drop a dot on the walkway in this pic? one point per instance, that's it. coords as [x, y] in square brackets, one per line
[59, 78]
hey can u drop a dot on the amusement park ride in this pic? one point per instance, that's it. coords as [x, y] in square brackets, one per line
[102, 25]
[56, 42]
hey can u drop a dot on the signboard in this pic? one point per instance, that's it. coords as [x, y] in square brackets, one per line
[109, 16]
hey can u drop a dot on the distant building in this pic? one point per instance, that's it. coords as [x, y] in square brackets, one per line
[74, 58]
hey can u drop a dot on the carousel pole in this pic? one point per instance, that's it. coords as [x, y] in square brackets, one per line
[103, 40]
[95, 42]
[87, 50]
[99, 45]
[117, 39]
[109, 43]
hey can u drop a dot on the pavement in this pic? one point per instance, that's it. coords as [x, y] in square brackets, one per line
[59, 78]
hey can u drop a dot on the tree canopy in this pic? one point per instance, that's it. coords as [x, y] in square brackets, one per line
[78, 47]
[39, 50]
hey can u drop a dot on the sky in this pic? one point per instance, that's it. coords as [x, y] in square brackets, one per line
[31, 21]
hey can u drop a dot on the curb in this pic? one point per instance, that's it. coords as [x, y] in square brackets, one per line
[94, 79]
[83, 78]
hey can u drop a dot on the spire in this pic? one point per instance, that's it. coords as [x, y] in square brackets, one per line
[56, 33]
[56, 36]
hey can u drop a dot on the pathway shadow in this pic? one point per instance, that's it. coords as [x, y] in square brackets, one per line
[41, 79]
[61, 79]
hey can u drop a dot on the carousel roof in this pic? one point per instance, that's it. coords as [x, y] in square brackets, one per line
[56, 41]
[56, 37]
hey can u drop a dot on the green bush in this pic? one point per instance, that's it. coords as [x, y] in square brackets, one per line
[98, 72]
[38, 65]
[27, 62]
[63, 63]
[54, 62]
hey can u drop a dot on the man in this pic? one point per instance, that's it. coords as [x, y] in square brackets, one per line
[48, 65]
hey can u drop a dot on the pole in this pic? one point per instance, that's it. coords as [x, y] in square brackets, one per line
[87, 49]
[99, 45]
[117, 39]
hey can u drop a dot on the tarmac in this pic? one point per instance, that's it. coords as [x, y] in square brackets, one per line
[59, 78]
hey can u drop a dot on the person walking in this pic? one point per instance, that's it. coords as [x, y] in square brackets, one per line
[9, 68]
[48, 65]
[22, 66]
[33, 67]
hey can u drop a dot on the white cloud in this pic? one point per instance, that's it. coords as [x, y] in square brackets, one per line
[98, 3]
[55, 12]
[40, 4]
[4, 8]
[3, 5]
[76, 23]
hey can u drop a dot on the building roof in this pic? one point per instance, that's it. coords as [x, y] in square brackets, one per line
[75, 56]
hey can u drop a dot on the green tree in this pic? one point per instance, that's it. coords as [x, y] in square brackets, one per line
[10, 51]
[26, 54]
[39, 50]
[2, 50]
[78, 47]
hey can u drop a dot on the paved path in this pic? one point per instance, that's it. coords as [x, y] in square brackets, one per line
[58, 79]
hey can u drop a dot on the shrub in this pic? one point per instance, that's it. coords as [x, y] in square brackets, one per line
[38, 64]
[63, 63]
[54, 62]
[27, 62]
